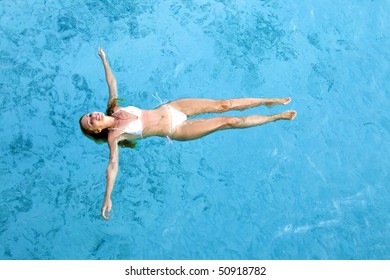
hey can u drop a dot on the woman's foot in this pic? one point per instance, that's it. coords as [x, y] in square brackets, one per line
[277, 101]
[288, 115]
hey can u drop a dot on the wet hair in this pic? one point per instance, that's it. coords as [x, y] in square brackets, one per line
[102, 136]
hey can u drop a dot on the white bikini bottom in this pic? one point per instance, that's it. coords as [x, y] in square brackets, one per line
[177, 118]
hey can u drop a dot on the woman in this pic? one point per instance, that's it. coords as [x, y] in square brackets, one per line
[123, 125]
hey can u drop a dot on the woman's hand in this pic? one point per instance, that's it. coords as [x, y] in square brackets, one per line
[106, 208]
[101, 53]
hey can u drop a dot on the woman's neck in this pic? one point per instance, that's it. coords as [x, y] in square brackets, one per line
[110, 122]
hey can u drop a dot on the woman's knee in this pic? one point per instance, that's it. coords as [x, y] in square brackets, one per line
[224, 105]
[233, 122]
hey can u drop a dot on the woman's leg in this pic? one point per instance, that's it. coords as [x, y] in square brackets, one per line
[196, 106]
[196, 128]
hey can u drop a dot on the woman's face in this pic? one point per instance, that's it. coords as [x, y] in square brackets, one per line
[93, 121]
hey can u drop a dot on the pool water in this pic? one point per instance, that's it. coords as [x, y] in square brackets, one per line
[314, 188]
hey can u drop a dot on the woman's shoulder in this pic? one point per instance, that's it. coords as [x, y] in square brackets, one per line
[117, 108]
[114, 136]
[130, 109]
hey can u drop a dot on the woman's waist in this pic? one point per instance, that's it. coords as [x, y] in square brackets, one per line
[156, 122]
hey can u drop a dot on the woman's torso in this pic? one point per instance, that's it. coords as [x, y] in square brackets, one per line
[133, 123]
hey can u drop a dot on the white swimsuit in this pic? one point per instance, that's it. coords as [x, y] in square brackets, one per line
[177, 118]
[134, 127]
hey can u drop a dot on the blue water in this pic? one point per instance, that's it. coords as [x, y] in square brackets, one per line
[313, 188]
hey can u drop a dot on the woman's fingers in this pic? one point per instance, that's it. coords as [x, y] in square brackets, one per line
[101, 52]
[106, 208]
[106, 212]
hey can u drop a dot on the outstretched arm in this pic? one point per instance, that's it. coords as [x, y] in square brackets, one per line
[110, 78]
[111, 173]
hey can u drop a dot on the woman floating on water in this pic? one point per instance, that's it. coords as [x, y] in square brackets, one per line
[122, 125]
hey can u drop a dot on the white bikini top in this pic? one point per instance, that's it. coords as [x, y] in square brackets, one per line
[134, 127]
